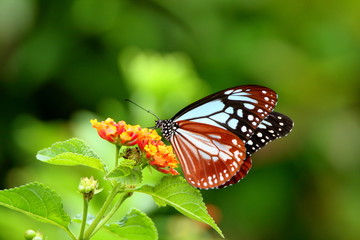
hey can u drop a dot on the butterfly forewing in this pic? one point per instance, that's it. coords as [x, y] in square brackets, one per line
[239, 110]
[209, 155]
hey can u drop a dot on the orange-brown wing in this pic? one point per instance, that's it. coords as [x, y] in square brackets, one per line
[244, 169]
[209, 156]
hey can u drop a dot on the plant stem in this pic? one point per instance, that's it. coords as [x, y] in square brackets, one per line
[101, 213]
[113, 210]
[117, 155]
[84, 218]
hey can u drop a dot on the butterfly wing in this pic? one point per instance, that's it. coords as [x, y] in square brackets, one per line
[238, 110]
[274, 126]
[243, 171]
[209, 135]
[209, 156]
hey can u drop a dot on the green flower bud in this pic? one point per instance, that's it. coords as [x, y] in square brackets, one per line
[30, 234]
[88, 187]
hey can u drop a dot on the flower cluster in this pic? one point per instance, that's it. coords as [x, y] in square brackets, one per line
[160, 156]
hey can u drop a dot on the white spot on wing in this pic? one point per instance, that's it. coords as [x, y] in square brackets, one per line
[249, 106]
[235, 164]
[233, 123]
[238, 90]
[229, 110]
[210, 180]
[243, 128]
[215, 136]
[266, 122]
[221, 177]
[224, 156]
[204, 155]
[237, 155]
[222, 147]
[241, 97]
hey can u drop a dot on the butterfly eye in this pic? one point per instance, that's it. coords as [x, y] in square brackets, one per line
[215, 136]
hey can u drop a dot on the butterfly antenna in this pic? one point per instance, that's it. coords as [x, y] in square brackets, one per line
[146, 110]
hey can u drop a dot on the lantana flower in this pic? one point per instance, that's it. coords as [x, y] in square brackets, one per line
[160, 155]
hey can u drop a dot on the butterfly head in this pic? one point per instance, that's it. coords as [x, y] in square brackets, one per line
[167, 127]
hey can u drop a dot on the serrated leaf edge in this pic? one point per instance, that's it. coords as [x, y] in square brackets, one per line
[47, 220]
[177, 206]
[139, 212]
[47, 159]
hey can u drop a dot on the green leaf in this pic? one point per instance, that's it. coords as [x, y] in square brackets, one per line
[71, 152]
[176, 192]
[37, 201]
[124, 169]
[135, 225]
[127, 174]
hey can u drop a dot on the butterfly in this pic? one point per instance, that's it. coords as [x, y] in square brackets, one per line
[215, 136]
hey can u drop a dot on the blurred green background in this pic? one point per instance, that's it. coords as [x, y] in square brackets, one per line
[63, 63]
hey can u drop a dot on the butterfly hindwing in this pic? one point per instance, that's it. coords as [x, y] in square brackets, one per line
[276, 125]
[243, 171]
[209, 156]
